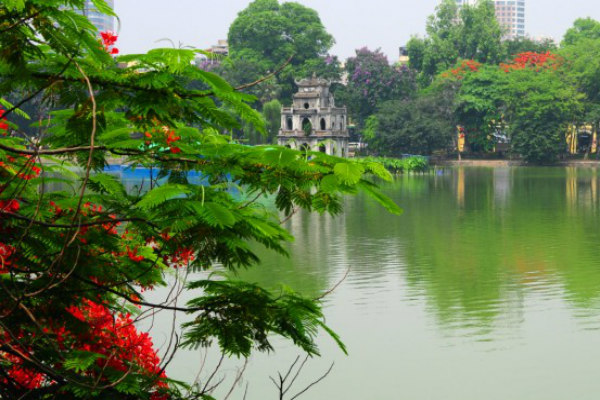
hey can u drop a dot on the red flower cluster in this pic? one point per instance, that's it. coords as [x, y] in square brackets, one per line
[23, 376]
[531, 59]
[108, 41]
[9, 205]
[133, 256]
[6, 253]
[112, 336]
[116, 337]
[171, 138]
[181, 258]
[26, 172]
[169, 134]
[460, 71]
[31, 170]
[3, 125]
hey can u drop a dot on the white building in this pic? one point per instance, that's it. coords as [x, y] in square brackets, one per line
[101, 21]
[509, 13]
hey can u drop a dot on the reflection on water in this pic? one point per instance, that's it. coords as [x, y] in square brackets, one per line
[488, 287]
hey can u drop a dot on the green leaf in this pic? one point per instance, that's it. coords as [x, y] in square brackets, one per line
[103, 7]
[379, 170]
[329, 184]
[129, 144]
[382, 199]
[348, 173]
[105, 183]
[80, 360]
[18, 5]
[8, 105]
[279, 156]
[121, 134]
[162, 194]
[218, 215]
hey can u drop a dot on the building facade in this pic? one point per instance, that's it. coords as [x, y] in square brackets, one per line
[101, 21]
[510, 15]
[314, 122]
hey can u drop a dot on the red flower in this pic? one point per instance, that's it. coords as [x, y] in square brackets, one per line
[532, 59]
[132, 254]
[6, 253]
[108, 41]
[9, 205]
[3, 125]
[108, 38]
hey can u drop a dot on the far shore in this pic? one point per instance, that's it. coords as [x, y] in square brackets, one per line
[513, 163]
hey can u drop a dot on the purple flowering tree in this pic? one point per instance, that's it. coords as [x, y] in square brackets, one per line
[371, 81]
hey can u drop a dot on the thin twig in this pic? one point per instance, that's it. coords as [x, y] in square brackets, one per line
[314, 383]
[328, 292]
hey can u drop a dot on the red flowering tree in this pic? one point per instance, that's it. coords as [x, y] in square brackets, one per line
[461, 69]
[78, 252]
[536, 61]
[528, 102]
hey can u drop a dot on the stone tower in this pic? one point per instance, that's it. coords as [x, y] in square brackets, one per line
[314, 122]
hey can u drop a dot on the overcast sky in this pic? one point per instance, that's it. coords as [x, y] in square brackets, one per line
[387, 24]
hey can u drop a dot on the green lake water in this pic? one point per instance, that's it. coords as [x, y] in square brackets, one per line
[487, 287]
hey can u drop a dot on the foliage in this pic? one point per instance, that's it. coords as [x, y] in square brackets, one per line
[481, 106]
[529, 98]
[371, 81]
[272, 114]
[371, 128]
[468, 32]
[244, 68]
[583, 28]
[417, 126]
[267, 33]
[541, 105]
[401, 165]
[76, 263]
[581, 50]
[524, 44]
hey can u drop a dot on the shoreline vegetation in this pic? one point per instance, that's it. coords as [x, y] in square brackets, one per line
[420, 164]
[400, 165]
[439, 162]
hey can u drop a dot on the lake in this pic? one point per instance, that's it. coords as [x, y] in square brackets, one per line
[487, 287]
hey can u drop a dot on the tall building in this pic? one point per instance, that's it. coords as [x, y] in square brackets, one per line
[101, 21]
[510, 15]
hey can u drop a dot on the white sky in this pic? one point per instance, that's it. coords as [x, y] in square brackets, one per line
[387, 24]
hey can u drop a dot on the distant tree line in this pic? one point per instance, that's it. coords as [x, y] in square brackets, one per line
[460, 74]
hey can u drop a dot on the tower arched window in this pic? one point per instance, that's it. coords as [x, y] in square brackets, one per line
[306, 126]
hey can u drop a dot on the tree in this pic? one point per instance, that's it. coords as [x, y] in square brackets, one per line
[581, 50]
[529, 98]
[583, 28]
[76, 263]
[541, 108]
[520, 45]
[243, 69]
[371, 81]
[481, 106]
[417, 126]
[454, 33]
[272, 114]
[268, 33]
